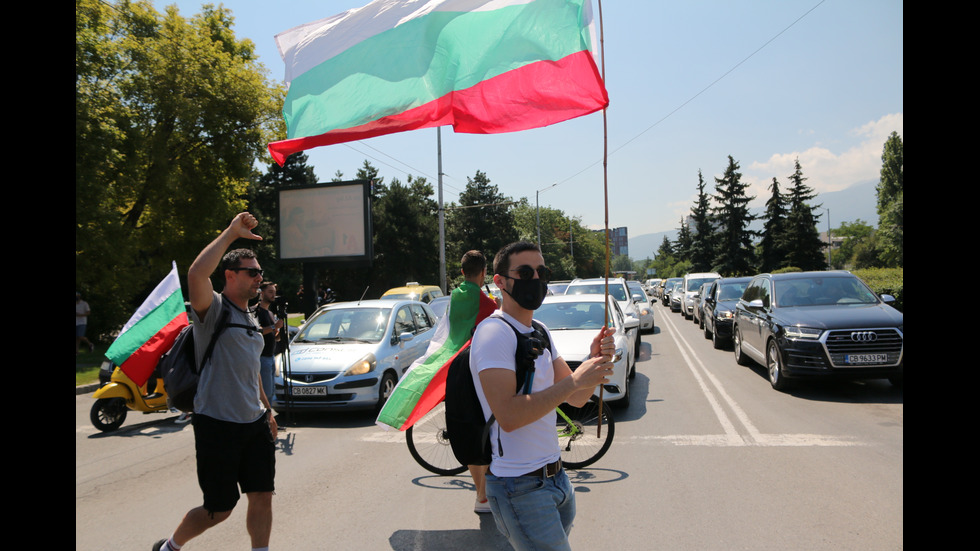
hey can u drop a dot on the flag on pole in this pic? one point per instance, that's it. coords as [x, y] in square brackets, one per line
[151, 331]
[483, 66]
[424, 384]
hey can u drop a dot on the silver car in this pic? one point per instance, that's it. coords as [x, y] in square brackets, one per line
[643, 306]
[350, 355]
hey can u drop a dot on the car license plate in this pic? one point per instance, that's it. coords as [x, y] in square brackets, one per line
[309, 391]
[861, 359]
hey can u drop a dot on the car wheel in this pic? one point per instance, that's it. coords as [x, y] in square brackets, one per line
[636, 348]
[108, 414]
[707, 330]
[715, 339]
[388, 382]
[632, 373]
[623, 402]
[740, 357]
[774, 365]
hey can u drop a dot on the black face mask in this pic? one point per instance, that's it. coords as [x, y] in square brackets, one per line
[528, 293]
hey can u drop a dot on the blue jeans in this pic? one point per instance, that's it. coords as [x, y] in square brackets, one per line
[268, 366]
[533, 512]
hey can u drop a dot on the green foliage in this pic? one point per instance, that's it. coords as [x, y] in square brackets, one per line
[891, 208]
[483, 220]
[702, 249]
[889, 281]
[771, 249]
[734, 255]
[569, 249]
[800, 240]
[170, 115]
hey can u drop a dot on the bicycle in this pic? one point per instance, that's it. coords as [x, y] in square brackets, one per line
[428, 439]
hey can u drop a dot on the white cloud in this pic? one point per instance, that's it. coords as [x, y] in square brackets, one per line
[824, 169]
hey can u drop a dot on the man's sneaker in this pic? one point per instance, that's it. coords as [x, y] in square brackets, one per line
[184, 417]
[159, 544]
[482, 506]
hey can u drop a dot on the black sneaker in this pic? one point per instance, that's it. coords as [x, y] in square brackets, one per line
[159, 544]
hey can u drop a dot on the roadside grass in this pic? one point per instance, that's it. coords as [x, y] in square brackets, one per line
[87, 365]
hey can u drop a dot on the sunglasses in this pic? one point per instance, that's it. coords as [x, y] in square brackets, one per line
[252, 272]
[527, 272]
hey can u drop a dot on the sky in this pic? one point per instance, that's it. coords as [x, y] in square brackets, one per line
[690, 83]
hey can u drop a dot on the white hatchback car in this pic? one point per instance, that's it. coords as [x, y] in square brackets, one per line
[350, 355]
[619, 291]
[690, 287]
[574, 320]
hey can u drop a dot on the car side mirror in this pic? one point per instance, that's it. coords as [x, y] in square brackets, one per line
[887, 299]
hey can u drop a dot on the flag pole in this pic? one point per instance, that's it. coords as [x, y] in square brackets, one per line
[605, 194]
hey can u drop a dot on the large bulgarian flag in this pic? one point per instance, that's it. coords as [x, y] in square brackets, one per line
[151, 331]
[483, 66]
[424, 384]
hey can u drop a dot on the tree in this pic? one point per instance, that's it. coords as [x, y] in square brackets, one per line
[855, 234]
[772, 253]
[406, 239]
[891, 208]
[702, 252]
[483, 220]
[734, 255]
[171, 114]
[263, 202]
[801, 242]
[682, 248]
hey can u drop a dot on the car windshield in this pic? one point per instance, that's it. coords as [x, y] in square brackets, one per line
[695, 284]
[616, 290]
[637, 289]
[557, 288]
[822, 291]
[732, 291]
[346, 325]
[571, 315]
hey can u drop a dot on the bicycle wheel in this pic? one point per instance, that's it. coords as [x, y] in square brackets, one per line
[428, 443]
[580, 447]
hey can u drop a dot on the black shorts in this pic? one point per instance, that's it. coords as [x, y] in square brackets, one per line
[232, 455]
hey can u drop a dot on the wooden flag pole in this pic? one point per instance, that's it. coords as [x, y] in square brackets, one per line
[605, 195]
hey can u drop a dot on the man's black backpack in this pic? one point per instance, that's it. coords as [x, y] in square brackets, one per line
[179, 368]
[467, 428]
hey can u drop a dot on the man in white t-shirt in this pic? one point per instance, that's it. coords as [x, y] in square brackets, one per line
[530, 495]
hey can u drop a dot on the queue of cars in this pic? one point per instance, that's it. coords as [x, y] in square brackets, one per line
[798, 325]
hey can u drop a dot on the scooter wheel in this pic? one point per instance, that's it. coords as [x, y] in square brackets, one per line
[108, 414]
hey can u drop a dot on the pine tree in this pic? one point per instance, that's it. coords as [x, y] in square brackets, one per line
[684, 242]
[702, 248]
[734, 256]
[771, 251]
[891, 208]
[802, 243]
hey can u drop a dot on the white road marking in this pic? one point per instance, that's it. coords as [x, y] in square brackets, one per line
[731, 437]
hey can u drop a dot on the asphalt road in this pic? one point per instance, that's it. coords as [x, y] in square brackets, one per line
[707, 457]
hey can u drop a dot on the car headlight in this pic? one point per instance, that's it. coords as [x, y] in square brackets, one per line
[362, 366]
[724, 315]
[803, 333]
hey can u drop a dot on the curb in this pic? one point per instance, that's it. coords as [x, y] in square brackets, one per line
[85, 389]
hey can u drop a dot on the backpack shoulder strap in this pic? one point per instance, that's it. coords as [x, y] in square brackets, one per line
[223, 324]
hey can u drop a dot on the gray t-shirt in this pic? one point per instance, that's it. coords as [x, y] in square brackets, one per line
[229, 385]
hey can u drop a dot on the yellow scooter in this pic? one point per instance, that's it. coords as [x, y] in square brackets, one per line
[119, 394]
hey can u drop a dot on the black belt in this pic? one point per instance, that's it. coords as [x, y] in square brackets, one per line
[548, 471]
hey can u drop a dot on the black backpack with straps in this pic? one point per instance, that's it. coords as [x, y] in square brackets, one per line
[467, 429]
[178, 366]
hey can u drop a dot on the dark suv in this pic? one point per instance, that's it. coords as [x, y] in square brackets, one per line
[818, 324]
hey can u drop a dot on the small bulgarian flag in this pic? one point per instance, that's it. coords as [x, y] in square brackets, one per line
[482, 66]
[424, 384]
[151, 331]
